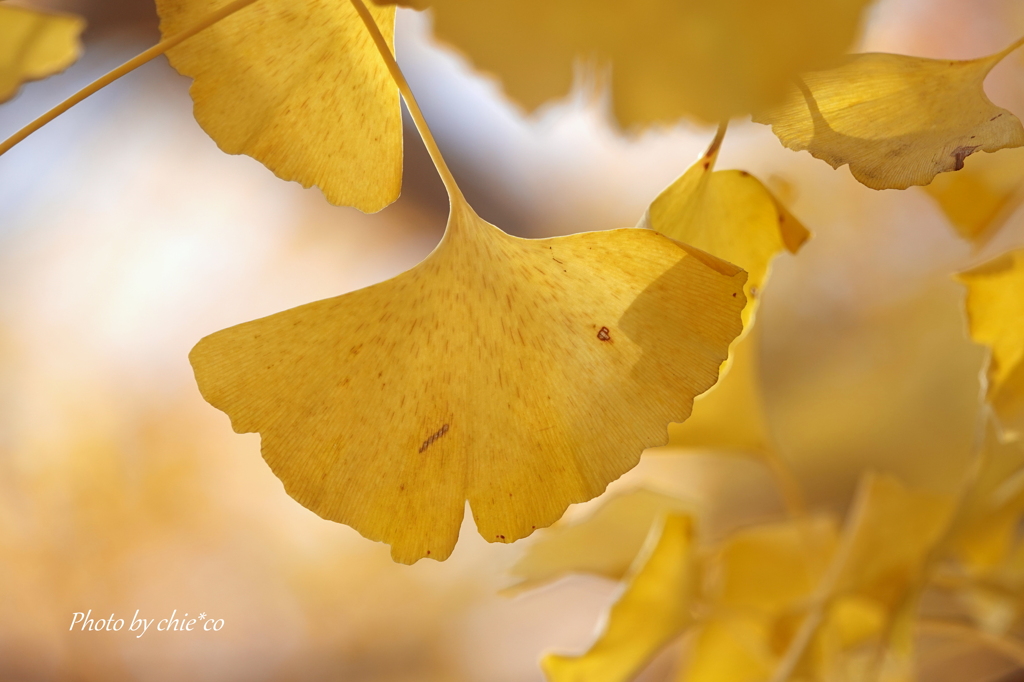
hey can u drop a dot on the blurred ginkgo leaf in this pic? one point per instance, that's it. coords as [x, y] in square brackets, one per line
[987, 524]
[995, 311]
[896, 120]
[299, 86]
[755, 589]
[35, 45]
[983, 195]
[606, 543]
[653, 610]
[711, 59]
[522, 375]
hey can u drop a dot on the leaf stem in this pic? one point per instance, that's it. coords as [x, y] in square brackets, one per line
[126, 68]
[826, 588]
[454, 193]
[716, 144]
[789, 488]
[999, 56]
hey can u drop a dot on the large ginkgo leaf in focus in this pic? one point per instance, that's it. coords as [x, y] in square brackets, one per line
[520, 375]
[711, 59]
[995, 310]
[653, 610]
[980, 198]
[896, 120]
[299, 86]
[35, 45]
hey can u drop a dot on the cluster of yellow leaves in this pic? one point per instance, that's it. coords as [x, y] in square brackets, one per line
[744, 601]
[470, 362]
[35, 45]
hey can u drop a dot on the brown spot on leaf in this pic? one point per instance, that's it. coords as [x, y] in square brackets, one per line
[961, 153]
[604, 334]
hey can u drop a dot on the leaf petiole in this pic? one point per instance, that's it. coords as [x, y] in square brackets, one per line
[454, 193]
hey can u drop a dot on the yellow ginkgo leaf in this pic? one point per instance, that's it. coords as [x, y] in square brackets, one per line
[983, 195]
[995, 312]
[606, 543]
[653, 610]
[896, 120]
[732, 215]
[712, 59]
[299, 86]
[522, 375]
[35, 45]
[729, 214]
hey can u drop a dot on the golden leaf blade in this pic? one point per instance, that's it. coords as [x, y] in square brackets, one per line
[896, 120]
[520, 375]
[653, 610]
[299, 86]
[606, 543]
[34, 45]
[710, 59]
[995, 313]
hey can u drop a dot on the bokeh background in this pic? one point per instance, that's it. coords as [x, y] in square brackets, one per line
[126, 235]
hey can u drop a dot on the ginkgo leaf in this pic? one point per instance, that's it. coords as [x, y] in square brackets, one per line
[712, 59]
[995, 311]
[606, 543]
[729, 214]
[522, 375]
[896, 120]
[299, 86]
[732, 215]
[652, 611]
[983, 195]
[35, 45]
